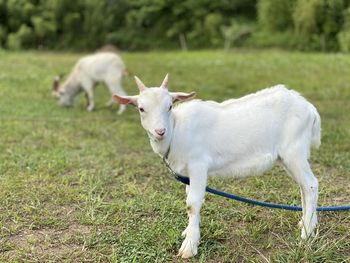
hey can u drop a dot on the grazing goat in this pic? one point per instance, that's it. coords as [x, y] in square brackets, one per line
[238, 138]
[105, 67]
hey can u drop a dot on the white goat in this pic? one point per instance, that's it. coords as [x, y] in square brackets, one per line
[105, 67]
[238, 137]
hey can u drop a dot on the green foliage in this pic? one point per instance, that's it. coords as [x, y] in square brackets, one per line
[136, 24]
[317, 22]
[236, 33]
[275, 15]
[171, 24]
[307, 16]
[13, 42]
[308, 24]
[21, 39]
[212, 23]
[344, 34]
[2, 35]
[43, 28]
[267, 39]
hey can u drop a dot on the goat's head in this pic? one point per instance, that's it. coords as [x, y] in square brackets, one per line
[155, 106]
[60, 92]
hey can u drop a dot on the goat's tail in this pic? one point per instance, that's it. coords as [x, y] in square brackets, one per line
[316, 130]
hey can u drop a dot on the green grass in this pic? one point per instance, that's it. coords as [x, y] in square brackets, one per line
[78, 186]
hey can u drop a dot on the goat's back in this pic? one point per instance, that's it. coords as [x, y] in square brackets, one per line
[101, 65]
[269, 121]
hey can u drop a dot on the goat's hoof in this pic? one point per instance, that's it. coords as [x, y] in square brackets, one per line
[308, 230]
[305, 235]
[188, 248]
[90, 108]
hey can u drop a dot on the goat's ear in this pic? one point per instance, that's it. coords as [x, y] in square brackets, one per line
[56, 83]
[140, 84]
[177, 96]
[165, 82]
[127, 100]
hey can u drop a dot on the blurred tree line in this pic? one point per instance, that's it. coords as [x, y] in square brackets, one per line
[168, 24]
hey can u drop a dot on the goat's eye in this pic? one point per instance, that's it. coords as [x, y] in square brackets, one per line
[142, 109]
[171, 106]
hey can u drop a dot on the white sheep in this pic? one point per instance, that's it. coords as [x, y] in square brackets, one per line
[237, 138]
[103, 67]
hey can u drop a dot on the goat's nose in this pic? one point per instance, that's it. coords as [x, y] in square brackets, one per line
[160, 131]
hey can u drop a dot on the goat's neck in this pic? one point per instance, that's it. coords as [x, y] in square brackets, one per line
[71, 87]
[162, 147]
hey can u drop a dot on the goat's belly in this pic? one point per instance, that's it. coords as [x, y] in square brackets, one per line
[252, 166]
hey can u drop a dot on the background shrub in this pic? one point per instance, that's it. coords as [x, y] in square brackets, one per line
[321, 25]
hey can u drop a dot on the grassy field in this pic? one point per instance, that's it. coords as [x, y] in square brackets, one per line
[86, 187]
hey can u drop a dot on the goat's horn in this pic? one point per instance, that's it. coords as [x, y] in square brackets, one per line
[165, 82]
[139, 83]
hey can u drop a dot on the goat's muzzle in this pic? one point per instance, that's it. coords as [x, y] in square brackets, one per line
[160, 133]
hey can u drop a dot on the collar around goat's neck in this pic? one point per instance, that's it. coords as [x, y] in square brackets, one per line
[166, 155]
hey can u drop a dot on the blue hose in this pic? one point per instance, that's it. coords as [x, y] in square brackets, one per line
[186, 180]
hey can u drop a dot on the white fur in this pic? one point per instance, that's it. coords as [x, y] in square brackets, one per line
[104, 67]
[237, 138]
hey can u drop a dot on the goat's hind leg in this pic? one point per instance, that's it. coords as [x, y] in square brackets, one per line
[114, 86]
[300, 170]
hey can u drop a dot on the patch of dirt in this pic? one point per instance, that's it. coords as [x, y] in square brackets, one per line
[46, 243]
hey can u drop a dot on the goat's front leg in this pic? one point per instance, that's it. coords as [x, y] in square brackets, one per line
[195, 196]
[89, 93]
